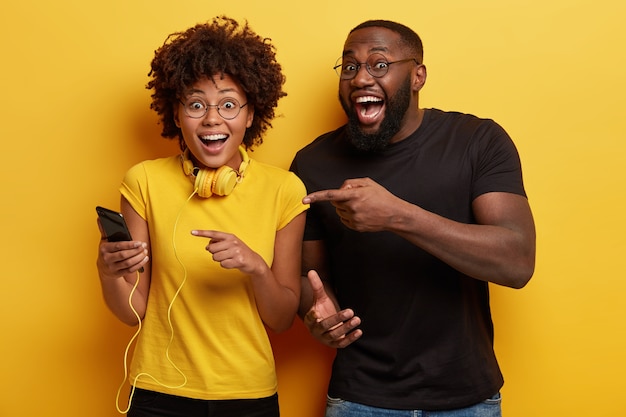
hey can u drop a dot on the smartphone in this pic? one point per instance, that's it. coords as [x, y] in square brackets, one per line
[114, 225]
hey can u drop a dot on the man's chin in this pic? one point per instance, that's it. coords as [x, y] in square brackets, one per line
[370, 141]
[369, 129]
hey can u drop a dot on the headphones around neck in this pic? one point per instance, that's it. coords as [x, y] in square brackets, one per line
[220, 181]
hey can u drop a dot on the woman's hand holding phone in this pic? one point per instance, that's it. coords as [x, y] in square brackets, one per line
[118, 255]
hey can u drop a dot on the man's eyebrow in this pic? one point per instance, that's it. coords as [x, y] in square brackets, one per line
[379, 49]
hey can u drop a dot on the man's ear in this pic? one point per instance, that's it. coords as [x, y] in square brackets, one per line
[419, 77]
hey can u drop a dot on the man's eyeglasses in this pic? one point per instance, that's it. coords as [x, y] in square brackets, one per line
[228, 108]
[376, 65]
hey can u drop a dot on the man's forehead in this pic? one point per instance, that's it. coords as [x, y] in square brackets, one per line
[371, 40]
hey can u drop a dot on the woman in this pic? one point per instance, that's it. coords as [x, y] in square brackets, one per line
[217, 234]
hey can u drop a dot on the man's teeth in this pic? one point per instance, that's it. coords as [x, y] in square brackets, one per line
[213, 137]
[368, 99]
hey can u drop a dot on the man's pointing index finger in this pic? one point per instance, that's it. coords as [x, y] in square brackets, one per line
[325, 195]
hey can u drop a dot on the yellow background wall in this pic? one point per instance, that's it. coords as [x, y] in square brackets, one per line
[75, 116]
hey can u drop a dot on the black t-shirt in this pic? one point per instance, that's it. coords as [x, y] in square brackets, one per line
[427, 331]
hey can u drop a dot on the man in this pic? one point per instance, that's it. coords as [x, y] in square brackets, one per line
[413, 212]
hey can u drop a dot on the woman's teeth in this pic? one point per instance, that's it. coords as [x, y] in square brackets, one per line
[209, 138]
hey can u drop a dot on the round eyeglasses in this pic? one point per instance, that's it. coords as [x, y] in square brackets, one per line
[228, 108]
[376, 65]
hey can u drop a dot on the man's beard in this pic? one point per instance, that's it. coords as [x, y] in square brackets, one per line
[395, 109]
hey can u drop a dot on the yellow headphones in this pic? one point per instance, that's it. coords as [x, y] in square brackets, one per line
[220, 181]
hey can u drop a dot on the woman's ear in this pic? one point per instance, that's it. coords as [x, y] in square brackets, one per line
[176, 120]
[250, 116]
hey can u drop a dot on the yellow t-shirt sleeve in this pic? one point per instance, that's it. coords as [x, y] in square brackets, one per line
[134, 182]
[293, 191]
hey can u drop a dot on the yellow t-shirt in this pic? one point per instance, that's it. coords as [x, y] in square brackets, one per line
[219, 341]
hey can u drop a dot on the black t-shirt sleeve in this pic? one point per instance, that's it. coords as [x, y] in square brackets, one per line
[498, 167]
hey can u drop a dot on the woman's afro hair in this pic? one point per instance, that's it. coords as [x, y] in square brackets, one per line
[220, 46]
